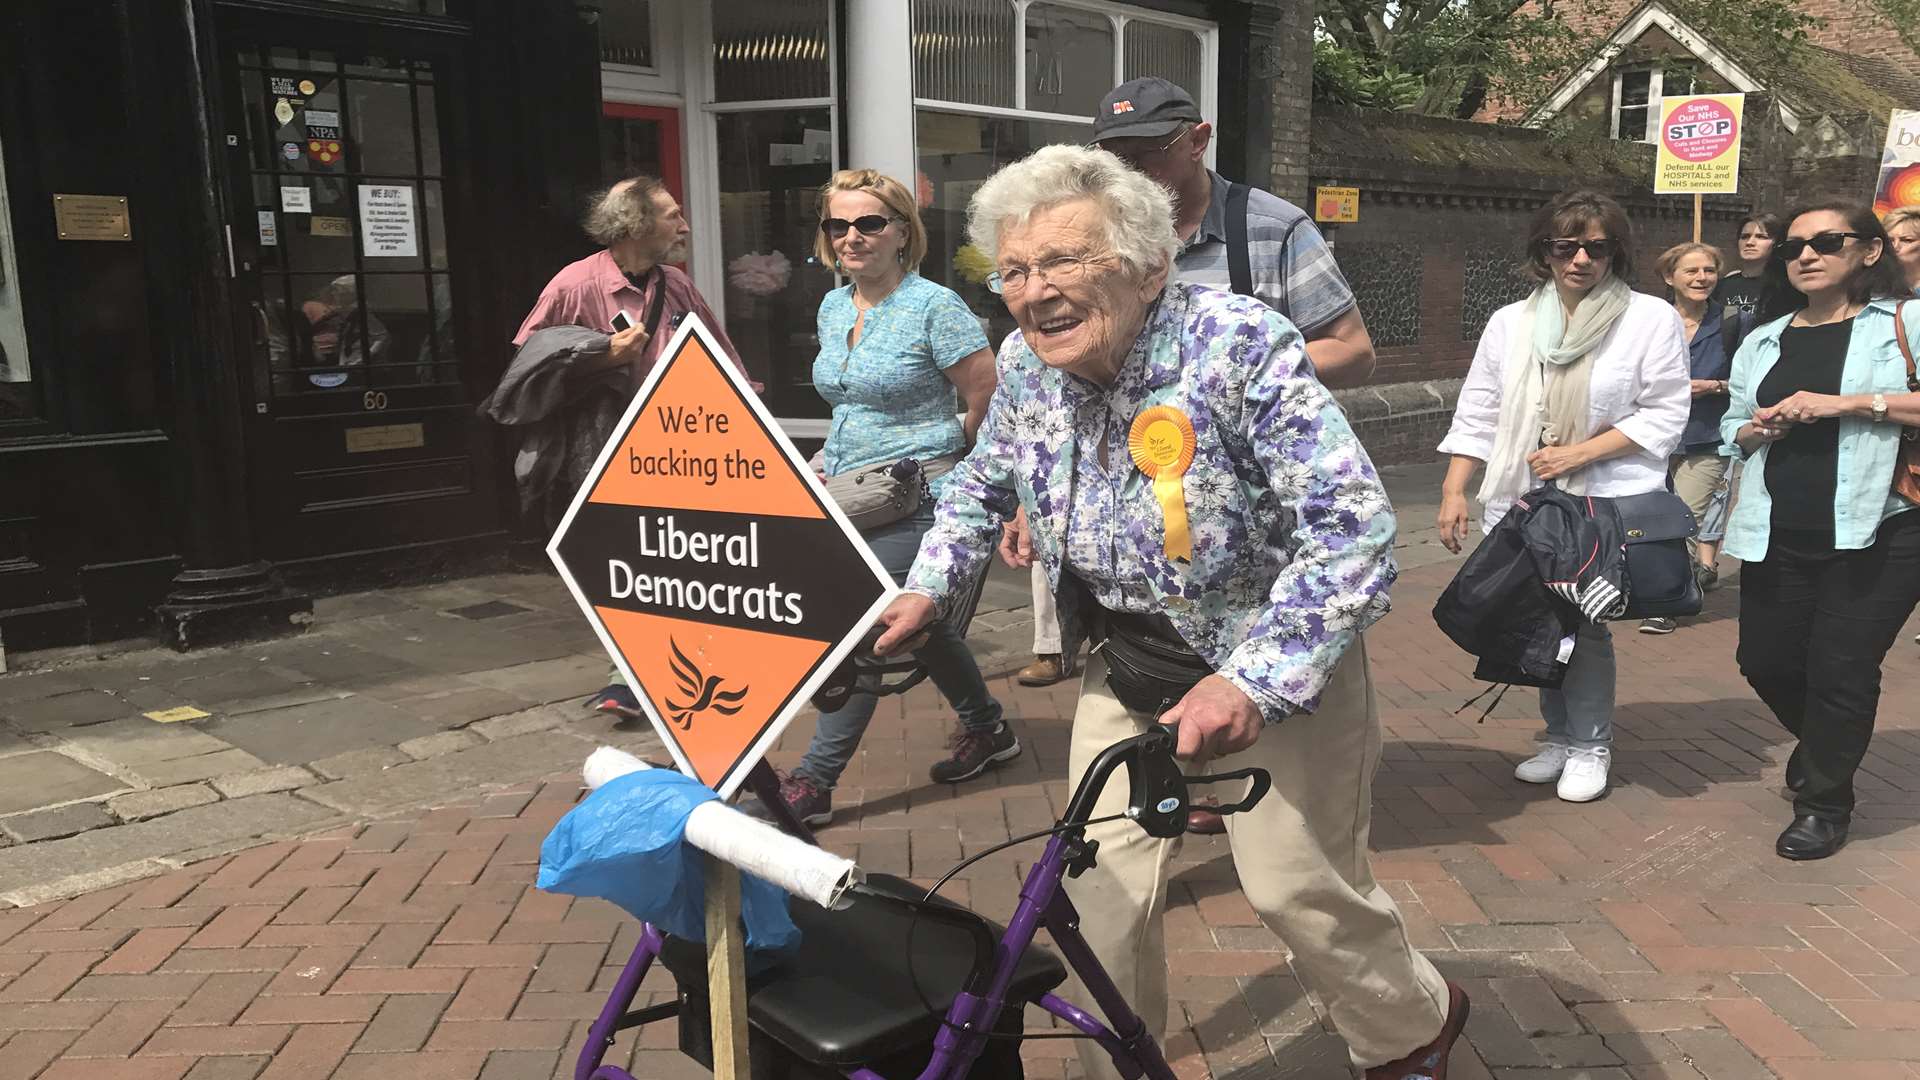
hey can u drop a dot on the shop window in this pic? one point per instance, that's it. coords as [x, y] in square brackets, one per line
[968, 127]
[626, 33]
[1069, 59]
[771, 52]
[772, 166]
[957, 153]
[1171, 52]
[963, 51]
[14, 365]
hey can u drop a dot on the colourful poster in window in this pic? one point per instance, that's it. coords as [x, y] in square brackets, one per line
[1699, 145]
[1899, 165]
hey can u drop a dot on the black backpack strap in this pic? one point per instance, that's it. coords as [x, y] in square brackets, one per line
[658, 302]
[1239, 264]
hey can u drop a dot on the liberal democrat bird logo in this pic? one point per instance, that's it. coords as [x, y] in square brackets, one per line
[705, 691]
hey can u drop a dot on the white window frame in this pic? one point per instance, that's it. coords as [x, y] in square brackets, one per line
[703, 139]
[619, 81]
[13, 330]
[1656, 89]
[1119, 16]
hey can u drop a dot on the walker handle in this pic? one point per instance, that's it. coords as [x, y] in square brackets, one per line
[1262, 783]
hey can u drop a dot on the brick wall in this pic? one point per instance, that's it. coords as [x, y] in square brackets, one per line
[1437, 250]
[1290, 63]
[1854, 26]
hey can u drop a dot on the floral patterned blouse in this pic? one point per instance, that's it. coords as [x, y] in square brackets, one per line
[1291, 530]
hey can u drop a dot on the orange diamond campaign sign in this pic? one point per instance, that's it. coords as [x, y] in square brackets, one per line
[713, 565]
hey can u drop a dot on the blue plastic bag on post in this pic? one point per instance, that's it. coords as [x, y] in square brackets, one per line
[626, 843]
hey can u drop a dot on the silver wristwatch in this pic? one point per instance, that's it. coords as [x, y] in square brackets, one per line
[1879, 408]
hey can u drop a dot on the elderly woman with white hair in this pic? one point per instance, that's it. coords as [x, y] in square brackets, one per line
[1205, 514]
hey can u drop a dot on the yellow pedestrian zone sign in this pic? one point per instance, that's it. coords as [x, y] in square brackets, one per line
[1336, 204]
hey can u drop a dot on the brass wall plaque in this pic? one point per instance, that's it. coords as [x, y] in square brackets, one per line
[367, 440]
[92, 217]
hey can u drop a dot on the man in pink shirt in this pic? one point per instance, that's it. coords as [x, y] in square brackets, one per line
[642, 231]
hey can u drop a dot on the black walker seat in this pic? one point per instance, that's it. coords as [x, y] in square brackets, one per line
[845, 998]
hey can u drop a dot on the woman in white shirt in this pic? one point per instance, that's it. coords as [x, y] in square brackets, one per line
[1584, 384]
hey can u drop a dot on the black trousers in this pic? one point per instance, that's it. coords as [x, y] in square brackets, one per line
[1815, 625]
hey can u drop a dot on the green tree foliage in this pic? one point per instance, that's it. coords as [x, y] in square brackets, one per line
[1449, 57]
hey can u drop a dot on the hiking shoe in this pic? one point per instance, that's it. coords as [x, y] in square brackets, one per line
[1585, 777]
[1429, 1062]
[619, 701]
[973, 751]
[1658, 625]
[1544, 767]
[810, 802]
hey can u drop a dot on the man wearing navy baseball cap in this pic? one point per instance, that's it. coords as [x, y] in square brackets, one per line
[1237, 236]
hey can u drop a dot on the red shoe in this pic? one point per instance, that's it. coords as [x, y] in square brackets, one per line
[1430, 1061]
[1205, 821]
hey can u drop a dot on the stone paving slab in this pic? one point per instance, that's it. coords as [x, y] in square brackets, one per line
[44, 778]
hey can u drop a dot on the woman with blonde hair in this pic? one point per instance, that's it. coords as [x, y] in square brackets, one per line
[1903, 236]
[907, 370]
[1699, 472]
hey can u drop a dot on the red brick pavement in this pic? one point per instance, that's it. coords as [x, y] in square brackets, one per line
[1651, 935]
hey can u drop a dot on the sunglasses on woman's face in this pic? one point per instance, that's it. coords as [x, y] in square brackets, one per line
[869, 225]
[1827, 243]
[1565, 249]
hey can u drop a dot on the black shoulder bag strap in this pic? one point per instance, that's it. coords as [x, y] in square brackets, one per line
[658, 302]
[1239, 264]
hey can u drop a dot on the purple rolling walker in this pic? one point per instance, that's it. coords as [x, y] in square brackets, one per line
[794, 1005]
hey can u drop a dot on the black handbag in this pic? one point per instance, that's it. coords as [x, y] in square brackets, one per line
[1149, 668]
[1655, 528]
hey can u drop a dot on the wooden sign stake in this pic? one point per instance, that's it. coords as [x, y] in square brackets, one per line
[726, 971]
[1696, 218]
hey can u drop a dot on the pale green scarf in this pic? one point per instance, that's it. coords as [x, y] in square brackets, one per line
[1545, 399]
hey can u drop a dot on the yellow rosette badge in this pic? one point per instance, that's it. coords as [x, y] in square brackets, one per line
[1161, 442]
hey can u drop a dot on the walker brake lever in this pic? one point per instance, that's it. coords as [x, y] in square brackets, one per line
[1262, 783]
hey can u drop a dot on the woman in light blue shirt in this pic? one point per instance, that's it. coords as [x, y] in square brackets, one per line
[1818, 401]
[908, 372]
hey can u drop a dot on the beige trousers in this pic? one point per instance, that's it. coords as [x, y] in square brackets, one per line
[1696, 477]
[1302, 859]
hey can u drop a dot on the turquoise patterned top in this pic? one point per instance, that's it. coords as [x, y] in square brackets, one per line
[890, 397]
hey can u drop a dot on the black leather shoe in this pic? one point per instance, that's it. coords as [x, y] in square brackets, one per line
[1810, 837]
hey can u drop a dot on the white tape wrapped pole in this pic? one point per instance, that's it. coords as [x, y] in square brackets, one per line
[754, 846]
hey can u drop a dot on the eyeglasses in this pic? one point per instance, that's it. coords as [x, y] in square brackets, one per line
[1827, 243]
[1565, 249]
[1142, 155]
[868, 224]
[1060, 270]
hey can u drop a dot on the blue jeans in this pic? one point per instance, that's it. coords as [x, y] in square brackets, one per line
[1580, 713]
[948, 661]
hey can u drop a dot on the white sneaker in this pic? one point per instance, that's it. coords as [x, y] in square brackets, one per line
[1585, 777]
[1544, 767]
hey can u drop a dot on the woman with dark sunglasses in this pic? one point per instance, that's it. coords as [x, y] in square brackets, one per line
[1818, 402]
[1584, 384]
[907, 369]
